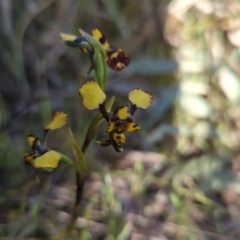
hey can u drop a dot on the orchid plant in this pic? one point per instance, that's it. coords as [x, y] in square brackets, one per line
[120, 120]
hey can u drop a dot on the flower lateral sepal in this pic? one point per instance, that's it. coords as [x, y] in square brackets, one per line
[107, 142]
[104, 142]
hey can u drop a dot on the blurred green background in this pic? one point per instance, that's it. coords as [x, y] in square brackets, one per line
[178, 178]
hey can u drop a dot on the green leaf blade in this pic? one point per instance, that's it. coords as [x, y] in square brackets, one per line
[80, 158]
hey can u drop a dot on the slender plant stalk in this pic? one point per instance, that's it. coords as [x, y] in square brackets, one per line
[79, 193]
[80, 182]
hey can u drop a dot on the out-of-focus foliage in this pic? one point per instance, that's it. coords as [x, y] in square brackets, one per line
[179, 176]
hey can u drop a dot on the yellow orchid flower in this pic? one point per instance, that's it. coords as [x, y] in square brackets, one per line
[41, 156]
[116, 58]
[121, 120]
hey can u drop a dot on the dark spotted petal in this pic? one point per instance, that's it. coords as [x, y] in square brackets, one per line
[117, 59]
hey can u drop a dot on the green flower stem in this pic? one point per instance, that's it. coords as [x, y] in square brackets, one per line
[98, 67]
[105, 69]
[81, 175]
[81, 162]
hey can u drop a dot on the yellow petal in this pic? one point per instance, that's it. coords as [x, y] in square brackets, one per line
[28, 158]
[122, 113]
[92, 95]
[32, 140]
[67, 37]
[118, 137]
[140, 98]
[110, 127]
[131, 127]
[101, 38]
[58, 121]
[49, 159]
